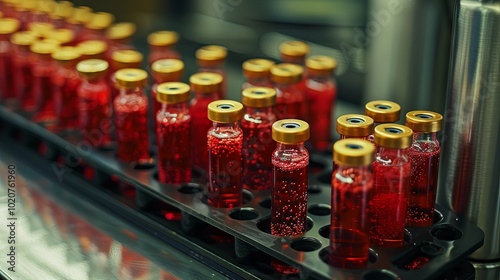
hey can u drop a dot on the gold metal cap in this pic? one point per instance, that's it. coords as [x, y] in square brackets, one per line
[62, 10]
[121, 30]
[294, 49]
[62, 35]
[383, 111]
[45, 6]
[290, 131]
[257, 68]
[41, 29]
[173, 93]
[211, 55]
[163, 38]
[424, 121]
[100, 21]
[321, 65]
[44, 47]
[394, 136]
[93, 49]
[9, 25]
[130, 78]
[92, 68]
[81, 15]
[126, 59]
[353, 152]
[206, 82]
[225, 111]
[66, 54]
[354, 125]
[286, 73]
[23, 38]
[258, 97]
[169, 69]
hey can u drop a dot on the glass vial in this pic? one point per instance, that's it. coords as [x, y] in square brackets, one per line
[211, 59]
[22, 70]
[382, 111]
[94, 104]
[7, 27]
[162, 46]
[391, 173]
[290, 99]
[352, 190]
[122, 59]
[294, 52]
[321, 92]
[424, 156]
[164, 71]
[206, 88]
[43, 68]
[225, 143]
[131, 113]
[173, 132]
[256, 72]
[258, 144]
[119, 36]
[66, 82]
[289, 190]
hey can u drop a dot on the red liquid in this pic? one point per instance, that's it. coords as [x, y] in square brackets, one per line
[66, 84]
[258, 147]
[174, 157]
[6, 76]
[290, 103]
[95, 113]
[22, 81]
[200, 124]
[388, 206]
[320, 97]
[225, 175]
[417, 263]
[256, 83]
[43, 93]
[289, 197]
[352, 189]
[131, 127]
[423, 184]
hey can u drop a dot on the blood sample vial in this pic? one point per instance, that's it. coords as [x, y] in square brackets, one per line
[258, 144]
[289, 190]
[391, 173]
[424, 156]
[43, 92]
[354, 126]
[93, 49]
[352, 190]
[162, 46]
[164, 71]
[382, 111]
[211, 59]
[66, 81]
[294, 52]
[206, 88]
[321, 92]
[118, 36]
[94, 104]
[22, 70]
[256, 72]
[7, 27]
[225, 143]
[290, 99]
[131, 113]
[173, 132]
[122, 59]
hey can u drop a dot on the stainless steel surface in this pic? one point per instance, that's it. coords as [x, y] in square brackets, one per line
[487, 271]
[470, 159]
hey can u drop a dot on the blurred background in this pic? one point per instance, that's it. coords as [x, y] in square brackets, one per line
[385, 49]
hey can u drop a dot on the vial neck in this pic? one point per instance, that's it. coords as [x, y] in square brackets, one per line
[127, 91]
[258, 81]
[298, 146]
[390, 152]
[346, 168]
[225, 126]
[424, 136]
[320, 78]
[254, 111]
[177, 107]
[206, 95]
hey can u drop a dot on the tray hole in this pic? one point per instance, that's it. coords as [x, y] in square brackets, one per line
[145, 164]
[320, 210]
[324, 255]
[325, 178]
[246, 197]
[446, 232]
[265, 224]
[243, 214]
[430, 249]
[266, 203]
[438, 217]
[313, 189]
[382, 274]
[306, 244]
[190, 188]
[325, 231]
[372, 256]
[316, 166]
